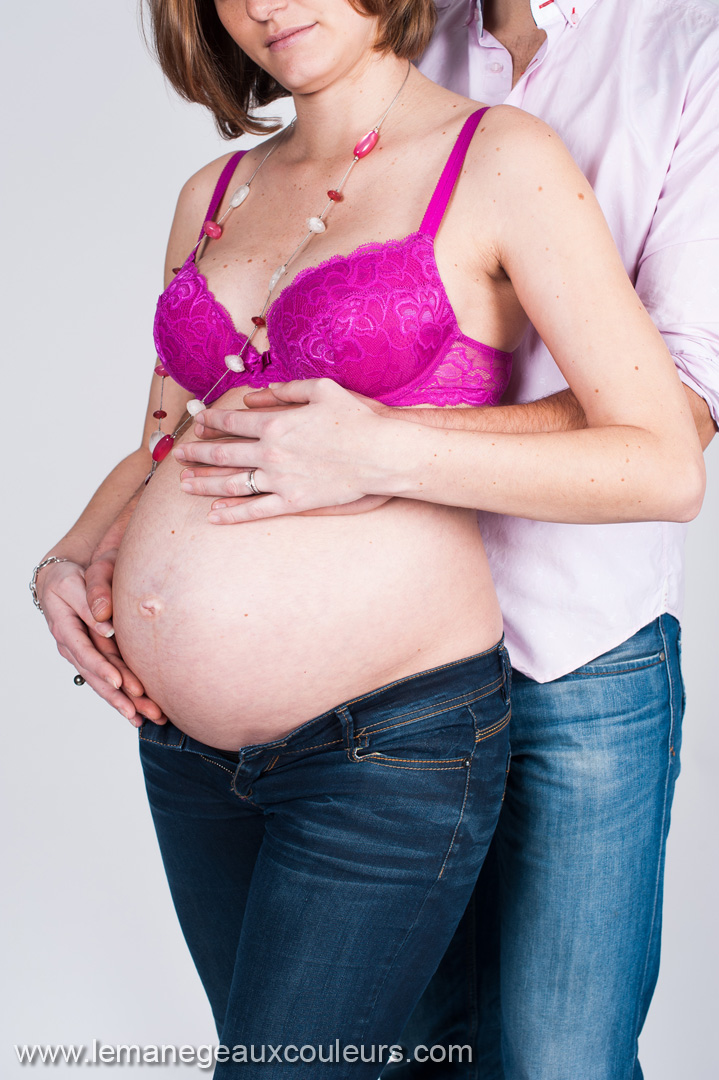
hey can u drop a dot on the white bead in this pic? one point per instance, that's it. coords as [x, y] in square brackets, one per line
[239, 196]
[155, 438]
[234, 363]
[315, 224]
[195, 406]
[276, 276]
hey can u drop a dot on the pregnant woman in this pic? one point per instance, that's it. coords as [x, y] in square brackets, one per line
[331, 755]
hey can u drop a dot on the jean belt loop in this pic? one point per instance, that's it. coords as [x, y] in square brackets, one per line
[507, 669]
[346, 720]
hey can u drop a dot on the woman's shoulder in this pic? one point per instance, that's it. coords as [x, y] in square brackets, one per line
[196, 192]
[517, 140]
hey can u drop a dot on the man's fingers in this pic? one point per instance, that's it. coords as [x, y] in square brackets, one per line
[262, 399]
[98, 582]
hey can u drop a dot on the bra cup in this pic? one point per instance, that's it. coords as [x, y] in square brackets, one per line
[373, 321]
[377, 321]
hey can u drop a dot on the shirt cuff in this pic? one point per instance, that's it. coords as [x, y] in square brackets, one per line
[702, 376]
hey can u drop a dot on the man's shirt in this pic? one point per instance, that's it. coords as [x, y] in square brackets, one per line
[632, 87]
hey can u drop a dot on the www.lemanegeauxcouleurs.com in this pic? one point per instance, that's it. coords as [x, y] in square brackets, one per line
[206, 1056]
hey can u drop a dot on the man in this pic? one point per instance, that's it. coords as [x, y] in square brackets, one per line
[551, 972]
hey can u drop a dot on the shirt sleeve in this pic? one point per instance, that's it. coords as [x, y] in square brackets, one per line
[678, 276]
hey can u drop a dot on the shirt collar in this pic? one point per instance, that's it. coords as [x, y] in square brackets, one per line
[544, 12]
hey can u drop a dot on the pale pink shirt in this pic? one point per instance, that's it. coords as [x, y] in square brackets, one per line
[632, 87]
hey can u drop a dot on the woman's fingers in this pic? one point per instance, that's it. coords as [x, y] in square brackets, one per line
[231, 512]
[132, 688]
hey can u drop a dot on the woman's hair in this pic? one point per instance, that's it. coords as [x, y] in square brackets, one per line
[203, 63]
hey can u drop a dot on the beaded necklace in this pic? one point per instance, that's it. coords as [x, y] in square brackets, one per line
[160, 442]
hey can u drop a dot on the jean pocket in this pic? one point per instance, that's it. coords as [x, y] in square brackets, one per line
[436, 741]
[607, 666]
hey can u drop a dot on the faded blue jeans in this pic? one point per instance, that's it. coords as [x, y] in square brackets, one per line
[319, 878]
[552, 969]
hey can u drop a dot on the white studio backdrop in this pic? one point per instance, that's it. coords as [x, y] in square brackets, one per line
[96, 150]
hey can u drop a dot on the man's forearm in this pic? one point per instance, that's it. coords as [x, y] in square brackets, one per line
[559, 412]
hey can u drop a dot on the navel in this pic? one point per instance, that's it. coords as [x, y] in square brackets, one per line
[149, 606]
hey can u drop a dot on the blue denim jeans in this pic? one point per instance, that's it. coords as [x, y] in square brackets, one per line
[553, 966]
[319, 878]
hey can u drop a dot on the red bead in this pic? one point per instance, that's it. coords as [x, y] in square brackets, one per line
[336, 196]
[211, 228]
[161, 371]
[163, 448]
[159, 414]
[259, 320]
[176, 269]
[366, 144]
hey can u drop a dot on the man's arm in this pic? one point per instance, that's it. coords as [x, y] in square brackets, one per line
[558, 412]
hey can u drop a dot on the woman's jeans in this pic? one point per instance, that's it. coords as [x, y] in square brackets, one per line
[319, 878]
[552, 969]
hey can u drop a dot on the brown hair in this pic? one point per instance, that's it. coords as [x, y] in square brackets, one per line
[204, 64]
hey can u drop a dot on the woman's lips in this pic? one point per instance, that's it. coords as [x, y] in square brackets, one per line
[289, 37]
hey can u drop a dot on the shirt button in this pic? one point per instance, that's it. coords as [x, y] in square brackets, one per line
[496, 67]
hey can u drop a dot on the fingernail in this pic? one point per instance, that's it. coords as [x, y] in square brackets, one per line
[98, 604]
[186, 474]
[214, 518]
[179, 454]
[185, 487]
[136, 721]
[113, 682]
[104, 630]
[219, 506]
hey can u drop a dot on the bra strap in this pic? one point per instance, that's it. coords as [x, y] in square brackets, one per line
[221, 187]
[445, 186]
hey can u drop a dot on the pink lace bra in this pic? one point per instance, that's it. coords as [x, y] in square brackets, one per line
[377, 321]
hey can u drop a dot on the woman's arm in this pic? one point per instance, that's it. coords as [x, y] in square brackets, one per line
[638, 458]
[75, 594]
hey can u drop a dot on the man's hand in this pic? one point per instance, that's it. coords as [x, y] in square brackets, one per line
[88, 643]
[305, 458]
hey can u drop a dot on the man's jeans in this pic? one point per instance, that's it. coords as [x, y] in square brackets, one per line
[553, 967]
[320, 877]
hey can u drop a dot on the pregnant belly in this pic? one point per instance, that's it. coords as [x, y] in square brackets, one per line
[243, 632]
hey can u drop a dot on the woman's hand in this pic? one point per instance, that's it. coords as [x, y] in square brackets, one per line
[89, 644]
[298, 479]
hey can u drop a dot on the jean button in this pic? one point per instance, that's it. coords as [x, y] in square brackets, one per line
[662, 657]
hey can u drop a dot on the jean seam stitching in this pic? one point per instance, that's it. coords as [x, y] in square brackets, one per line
[460, 819]
[622, 670]
[422, 905]
[487, 733]
[213, 762]
[416, 767]
[444, 706]
[667, 778]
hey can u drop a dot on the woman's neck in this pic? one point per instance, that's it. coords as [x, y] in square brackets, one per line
[329, 121]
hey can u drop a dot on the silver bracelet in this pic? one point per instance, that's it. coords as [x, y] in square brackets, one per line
[33, 580]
